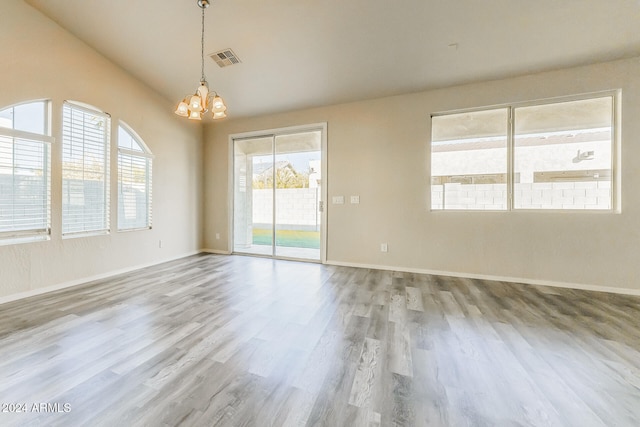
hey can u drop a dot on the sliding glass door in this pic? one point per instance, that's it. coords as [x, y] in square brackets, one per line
[253, 226]
[278, 194]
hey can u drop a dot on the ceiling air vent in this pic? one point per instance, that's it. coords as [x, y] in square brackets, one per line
[224, 58]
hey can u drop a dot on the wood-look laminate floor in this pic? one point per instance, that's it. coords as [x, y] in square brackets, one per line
[227, 340]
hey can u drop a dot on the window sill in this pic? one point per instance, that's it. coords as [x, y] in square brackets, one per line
[25, 239]
[85, 234]
[127, 230]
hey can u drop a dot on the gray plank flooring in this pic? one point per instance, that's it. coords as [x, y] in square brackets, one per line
[214, 340]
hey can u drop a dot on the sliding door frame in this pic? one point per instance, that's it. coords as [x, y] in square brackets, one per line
[322, 127]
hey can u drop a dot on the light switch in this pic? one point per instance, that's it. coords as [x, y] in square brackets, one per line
[355, 200]
[338, 200]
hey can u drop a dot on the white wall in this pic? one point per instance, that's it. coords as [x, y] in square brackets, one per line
[296, 208]
[379, 150]
[529, 195]
[40, 60]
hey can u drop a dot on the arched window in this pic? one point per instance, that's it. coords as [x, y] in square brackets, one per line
[134, 180]
[25, 172]
[85, 170]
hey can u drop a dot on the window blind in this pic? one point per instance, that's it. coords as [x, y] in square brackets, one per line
[134, 190]
[25, 188]
[85, 170]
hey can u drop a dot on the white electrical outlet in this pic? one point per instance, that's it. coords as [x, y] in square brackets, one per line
[355, 200]
[384, 247]
[217, 236]
[338, 200]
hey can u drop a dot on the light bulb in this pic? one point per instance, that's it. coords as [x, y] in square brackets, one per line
[218, 104]
[195, 115]
[195, 104]
[182, 109]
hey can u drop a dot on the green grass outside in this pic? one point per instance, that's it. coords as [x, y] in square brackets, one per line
[288, 238]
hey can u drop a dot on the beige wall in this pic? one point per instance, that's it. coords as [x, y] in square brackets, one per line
[39, 60]
[387, 141]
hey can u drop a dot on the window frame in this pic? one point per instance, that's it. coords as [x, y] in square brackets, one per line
[148, 156]
[615, 203]
[45, 138]
[88, 109]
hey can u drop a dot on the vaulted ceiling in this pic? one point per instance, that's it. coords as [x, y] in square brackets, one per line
[305, 53]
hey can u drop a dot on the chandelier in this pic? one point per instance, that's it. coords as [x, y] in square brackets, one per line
[202, 101]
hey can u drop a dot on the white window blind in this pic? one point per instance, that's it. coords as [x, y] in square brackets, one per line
[85, 170]
[25, 184]
[134, 181]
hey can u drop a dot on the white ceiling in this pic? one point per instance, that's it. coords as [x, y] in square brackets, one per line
[304, 53]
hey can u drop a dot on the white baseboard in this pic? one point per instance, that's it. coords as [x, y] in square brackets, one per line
[84, 280]
[216, 251]
[81, 281]
[566, 285]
